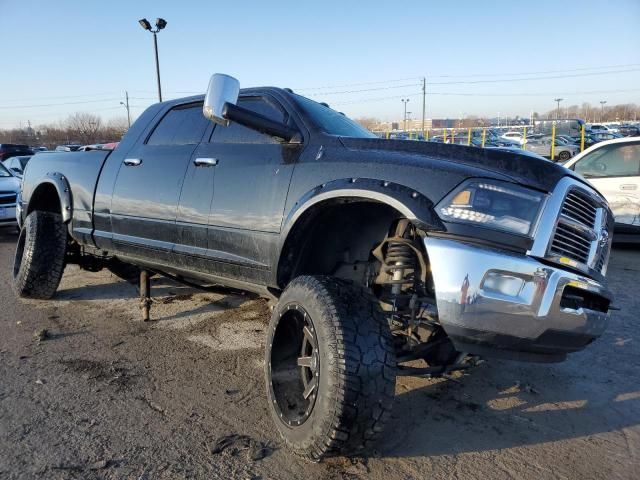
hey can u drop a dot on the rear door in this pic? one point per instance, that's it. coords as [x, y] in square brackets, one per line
[149, 182]
[614, 170]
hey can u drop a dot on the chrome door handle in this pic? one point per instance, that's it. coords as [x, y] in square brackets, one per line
[205, 162]
[132, 162]
[628, 186]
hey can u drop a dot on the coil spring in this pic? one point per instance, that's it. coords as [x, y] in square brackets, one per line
[399, 258]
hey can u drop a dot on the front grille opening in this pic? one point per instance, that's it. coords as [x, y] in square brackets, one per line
[576, 298]
[8, 200]
[579, 207]
[570, 242]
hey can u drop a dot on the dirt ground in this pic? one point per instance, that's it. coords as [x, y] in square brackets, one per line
[87, 390]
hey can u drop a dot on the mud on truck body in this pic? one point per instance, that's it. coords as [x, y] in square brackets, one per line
[382, 257]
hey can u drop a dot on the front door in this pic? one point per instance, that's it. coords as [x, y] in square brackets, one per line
[149, 183]
[251, 181]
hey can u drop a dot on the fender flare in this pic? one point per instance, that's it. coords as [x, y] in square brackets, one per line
[61, 184]
[410, 203]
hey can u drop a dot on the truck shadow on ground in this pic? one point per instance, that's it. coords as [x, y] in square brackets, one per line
[503, 405]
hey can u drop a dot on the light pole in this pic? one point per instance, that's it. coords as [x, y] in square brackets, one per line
[160, 24]
[126, 105]
[602, 102]
[404, 125]
[558, 100]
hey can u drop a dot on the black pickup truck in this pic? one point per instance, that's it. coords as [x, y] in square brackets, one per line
[382, 257]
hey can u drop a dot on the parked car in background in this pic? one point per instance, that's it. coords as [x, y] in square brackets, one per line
[17, 164]
[542, 146]
[613, 167]
[595, 127]
[68, 148]
[39, 149]
[8, 150]
[9, 188]
[514, 136]
[629, 130]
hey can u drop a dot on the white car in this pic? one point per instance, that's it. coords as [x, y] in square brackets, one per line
[9, 188]
[515, 136]
[613, 167]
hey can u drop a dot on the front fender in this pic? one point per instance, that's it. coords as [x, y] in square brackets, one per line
[410, 203]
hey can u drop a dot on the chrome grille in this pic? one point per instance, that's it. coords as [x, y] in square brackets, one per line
[582, 234]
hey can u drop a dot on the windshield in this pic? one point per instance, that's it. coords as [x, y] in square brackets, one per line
[4, 172]
[330, 121]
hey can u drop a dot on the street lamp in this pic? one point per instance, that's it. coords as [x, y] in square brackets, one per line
[558, 100]
[126, 105]
[602, 102]
[160, 24]
[405, 101]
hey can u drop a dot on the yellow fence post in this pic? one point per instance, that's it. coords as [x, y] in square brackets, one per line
[453, 135]
[553, 141]
[427, 136]
[444, 139]
[469, 138]
[484, 136]
[388, 134]
[524, 138]
[582, 138]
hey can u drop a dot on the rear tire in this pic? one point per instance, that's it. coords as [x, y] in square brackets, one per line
[330, 368]
[40, 255]
[564, 156]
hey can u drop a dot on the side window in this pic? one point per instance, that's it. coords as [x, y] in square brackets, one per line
[621, 160]
[236, 133]
[182, 125]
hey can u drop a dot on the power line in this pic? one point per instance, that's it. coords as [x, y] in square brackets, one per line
[534, 78]
[59, 104]
[463, 94]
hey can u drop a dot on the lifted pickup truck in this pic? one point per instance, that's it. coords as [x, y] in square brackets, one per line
[385, 257]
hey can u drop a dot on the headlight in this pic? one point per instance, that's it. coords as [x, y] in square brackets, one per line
[493, 204]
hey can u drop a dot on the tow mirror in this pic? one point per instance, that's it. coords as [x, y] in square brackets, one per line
[222, 89]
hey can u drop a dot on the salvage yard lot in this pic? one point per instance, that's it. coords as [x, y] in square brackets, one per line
[101, 394]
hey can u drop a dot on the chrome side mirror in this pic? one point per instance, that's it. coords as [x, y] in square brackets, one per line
[222, 89]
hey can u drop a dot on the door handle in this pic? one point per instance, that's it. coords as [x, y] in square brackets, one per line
[132, 162]
[628, 186]
[206, 162]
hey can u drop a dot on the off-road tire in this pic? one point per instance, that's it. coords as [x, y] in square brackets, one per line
[357, 368]
[40, 255]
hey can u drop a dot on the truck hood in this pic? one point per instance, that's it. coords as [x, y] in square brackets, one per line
[521, 168]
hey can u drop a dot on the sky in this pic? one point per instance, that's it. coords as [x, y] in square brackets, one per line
[478, 58]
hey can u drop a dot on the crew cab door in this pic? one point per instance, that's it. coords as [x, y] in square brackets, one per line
[251, 181]
[149, 182]
[614, 170]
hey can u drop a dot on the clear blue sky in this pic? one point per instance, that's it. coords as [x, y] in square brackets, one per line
[55, 52]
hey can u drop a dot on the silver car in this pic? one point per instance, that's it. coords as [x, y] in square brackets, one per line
[562, 151]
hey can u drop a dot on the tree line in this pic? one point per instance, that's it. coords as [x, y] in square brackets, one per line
[586, 111]
[79, 128]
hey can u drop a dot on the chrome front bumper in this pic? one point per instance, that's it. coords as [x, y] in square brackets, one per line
[495, 303]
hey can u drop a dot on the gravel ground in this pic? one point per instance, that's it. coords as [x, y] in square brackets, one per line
[87, 390]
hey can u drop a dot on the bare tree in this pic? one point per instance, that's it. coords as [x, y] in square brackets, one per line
[84, 126]
[370, 123]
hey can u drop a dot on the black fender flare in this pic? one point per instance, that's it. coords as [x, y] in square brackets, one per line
[61, 184]
[410, 203]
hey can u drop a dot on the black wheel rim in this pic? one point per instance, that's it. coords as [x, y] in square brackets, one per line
[294, 365]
